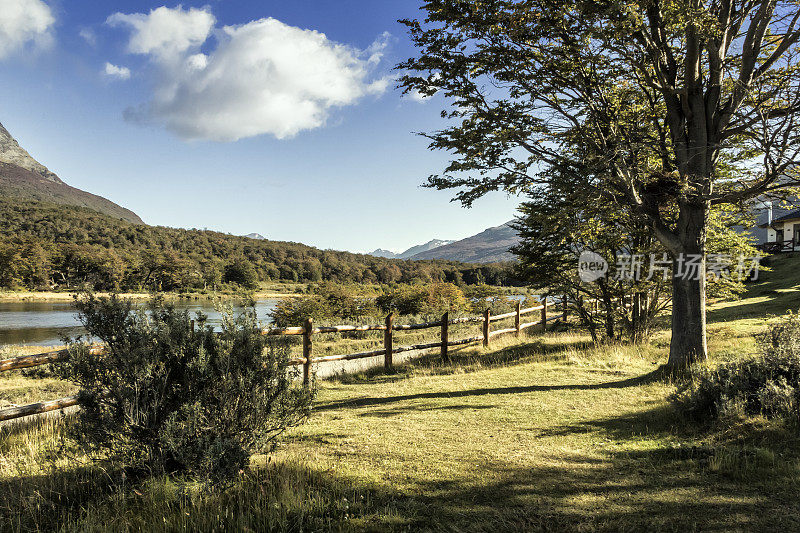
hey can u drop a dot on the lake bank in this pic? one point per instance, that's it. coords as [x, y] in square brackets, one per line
[49, 296]
[45, 322]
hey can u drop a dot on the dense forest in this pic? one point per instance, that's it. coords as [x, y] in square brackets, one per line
[44, 246]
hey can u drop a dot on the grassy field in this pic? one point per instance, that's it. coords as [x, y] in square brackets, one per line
[544, 433]
[265, 290]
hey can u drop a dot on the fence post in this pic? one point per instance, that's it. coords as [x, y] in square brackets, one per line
[486, 317]
[387, 342]
[445, 337]
[307, 346]
[544, 313]
[517, 320]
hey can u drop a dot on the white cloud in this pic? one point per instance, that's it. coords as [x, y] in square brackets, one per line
[166, 33]
[418, 96]
[88, 35]
[120, 73]
[377, 48]
[24, 22]
[263, 77]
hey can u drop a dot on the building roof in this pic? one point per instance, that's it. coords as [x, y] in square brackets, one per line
[791, 215]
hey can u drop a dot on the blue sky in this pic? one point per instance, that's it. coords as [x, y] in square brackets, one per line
[276, 117]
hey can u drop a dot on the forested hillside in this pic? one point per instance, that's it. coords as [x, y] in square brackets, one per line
[47, 246]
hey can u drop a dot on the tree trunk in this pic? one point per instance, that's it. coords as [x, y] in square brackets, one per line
[688, 344]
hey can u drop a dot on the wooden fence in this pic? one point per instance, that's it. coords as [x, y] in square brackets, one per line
[779, 247]
[307, 360]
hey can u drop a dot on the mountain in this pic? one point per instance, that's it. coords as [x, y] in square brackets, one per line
[256, 236]
[489, 246]
[430, 245]
[23, 177]
[414, 250]
[380, 252]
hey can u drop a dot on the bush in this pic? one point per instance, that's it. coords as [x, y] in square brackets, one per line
[242, 272]
[430, 299]
[294, 311]
[168, 399]
[482, 296]
[767, 385]
[326, 301]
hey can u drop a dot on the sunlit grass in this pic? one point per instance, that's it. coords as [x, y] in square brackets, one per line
[544, 432]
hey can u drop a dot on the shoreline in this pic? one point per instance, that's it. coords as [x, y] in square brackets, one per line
[45, 296]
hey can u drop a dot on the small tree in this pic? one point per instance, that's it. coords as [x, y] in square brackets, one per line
[552, 237]
[429, 299]
[166, 398]
[327, 301]
[242, 272]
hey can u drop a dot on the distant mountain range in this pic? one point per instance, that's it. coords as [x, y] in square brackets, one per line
[414, 250]
[256, 236]
[380, 252]
[489, 246]
[23, 177]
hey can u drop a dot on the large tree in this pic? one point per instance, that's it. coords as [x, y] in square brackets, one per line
[674, 106]
[557, 223]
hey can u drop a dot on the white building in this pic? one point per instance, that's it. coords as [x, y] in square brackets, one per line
[782, 231]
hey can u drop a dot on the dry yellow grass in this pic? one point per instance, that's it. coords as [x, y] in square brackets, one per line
[545, 433]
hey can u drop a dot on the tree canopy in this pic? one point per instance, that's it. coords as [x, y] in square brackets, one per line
[662, 107]
[48, 246]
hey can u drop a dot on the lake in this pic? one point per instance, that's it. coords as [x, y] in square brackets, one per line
[44, 323]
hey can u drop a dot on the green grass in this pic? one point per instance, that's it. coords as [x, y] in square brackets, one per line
[30, 385]
[774, 293]
[544, 433]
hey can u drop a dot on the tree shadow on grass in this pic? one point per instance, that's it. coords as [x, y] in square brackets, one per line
[466, 360]
[650, 492]
[781, 288]
[622, 487]
[651, 489]
[650, 377]
[394, 411]
[654, 490]
[656, 422]
[644, 490]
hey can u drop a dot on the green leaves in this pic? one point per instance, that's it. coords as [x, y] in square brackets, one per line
[166, 398]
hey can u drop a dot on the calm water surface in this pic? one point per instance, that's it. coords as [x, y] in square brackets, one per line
[44, 323]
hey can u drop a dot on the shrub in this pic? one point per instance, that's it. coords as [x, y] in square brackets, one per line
[327, 301]
[241, 271]
[166, 398]
[482, 296]
[430, 299]
[766, 385]
[294, 311]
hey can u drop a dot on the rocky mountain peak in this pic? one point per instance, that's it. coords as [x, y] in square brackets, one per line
[13, 154]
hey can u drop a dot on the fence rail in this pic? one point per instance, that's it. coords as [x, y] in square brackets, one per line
[778, 247]
[308, 360]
